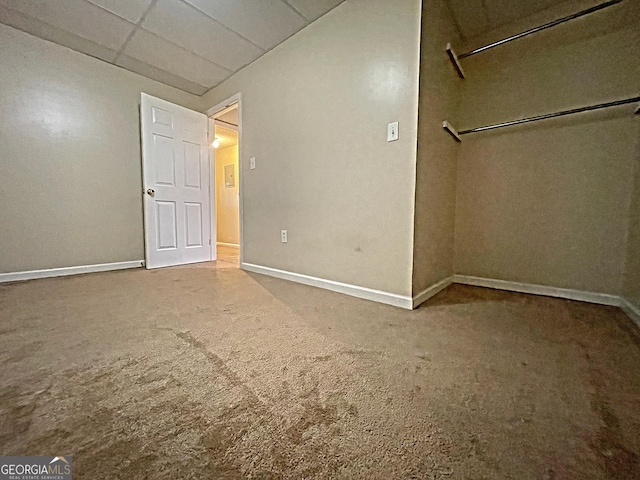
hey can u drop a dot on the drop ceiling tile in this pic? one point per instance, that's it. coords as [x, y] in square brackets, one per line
[159, 75]
[158, 52]
[264, 22]
[131, 10]
[78, 17]
[53, 34]
[470, 16]
[193, 30]
[313, 9]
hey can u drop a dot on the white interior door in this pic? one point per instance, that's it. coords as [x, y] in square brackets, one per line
[176, 179]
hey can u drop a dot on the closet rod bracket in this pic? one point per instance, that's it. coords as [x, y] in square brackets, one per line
[451, 131]
[454, 59]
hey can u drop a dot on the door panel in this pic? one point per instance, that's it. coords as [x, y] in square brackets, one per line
[192, 177]
[193, 220]
[175, 161]
[166, 225]
[165, 162]
[161, 117]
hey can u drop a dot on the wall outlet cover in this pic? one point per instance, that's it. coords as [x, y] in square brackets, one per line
[392, 132]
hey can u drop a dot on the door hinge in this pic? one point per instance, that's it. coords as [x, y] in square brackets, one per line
[209, 241]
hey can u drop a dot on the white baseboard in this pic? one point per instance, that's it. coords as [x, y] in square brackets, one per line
[431, 291]
[582, 296]
[632, 310]
[352, 290]
[60, 272]
[223, 244]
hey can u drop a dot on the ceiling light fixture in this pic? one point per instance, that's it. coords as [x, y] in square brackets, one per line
[216, 143]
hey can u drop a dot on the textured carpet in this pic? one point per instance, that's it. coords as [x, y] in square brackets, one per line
[210, 373]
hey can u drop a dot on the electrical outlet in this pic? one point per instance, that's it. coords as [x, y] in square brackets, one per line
[283, 235]
[392, 132]
[252, 163]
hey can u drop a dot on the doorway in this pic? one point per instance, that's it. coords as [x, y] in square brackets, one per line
[225, 145]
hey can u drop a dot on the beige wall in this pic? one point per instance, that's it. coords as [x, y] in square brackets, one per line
[632, 272]
[547, 203]
[69, 156]
[315, 114]
[436, 167]
[227, 200]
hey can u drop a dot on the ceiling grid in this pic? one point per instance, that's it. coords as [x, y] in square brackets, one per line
[192, 45]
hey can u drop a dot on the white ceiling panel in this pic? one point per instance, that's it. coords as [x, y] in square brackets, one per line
[160, 53]
[78, 17]
[57, 35]
[131, 10]
[192, 45]
[313, 9]
[265, 22]
[186, 26]
[160, 75]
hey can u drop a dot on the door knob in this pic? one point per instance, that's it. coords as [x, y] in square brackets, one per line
[151, 192]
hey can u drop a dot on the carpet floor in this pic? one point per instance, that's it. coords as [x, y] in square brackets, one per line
[214, 373]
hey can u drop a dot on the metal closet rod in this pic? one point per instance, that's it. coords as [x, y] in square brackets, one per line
[455, 134]
[455, 58]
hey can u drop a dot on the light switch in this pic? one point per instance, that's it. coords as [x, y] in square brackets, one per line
[252, 163]
[392, 132]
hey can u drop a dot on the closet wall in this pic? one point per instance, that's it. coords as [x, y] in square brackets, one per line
[548, 202]
[434, 218]
[632, 274]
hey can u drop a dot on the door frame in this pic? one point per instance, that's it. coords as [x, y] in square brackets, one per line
[211, 112]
